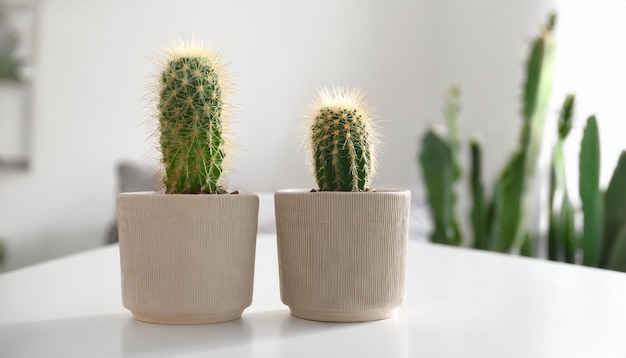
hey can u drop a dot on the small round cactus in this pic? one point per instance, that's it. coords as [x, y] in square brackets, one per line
[193, 116]
[342, 139]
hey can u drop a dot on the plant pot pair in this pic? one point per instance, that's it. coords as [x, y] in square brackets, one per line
[189, 259]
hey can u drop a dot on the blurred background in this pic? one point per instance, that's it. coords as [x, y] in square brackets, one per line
[75, 108]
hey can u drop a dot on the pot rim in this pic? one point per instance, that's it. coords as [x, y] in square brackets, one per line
[383, 191]
[161, 193]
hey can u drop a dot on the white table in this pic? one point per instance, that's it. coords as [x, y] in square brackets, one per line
[460, 303]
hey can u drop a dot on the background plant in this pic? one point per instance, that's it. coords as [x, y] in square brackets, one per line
[498, 223]
[562, 240]
[602, 240]
[2, 252]
[9, 66]
[342, 140]
[441, 172]
[193, 115]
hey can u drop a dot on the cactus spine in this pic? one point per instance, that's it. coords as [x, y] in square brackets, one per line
[192, 113]
[343, 141]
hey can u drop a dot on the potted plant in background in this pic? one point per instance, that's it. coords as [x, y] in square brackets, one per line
[187, 253]
[342, 248]
[2, 252]
[499, 221]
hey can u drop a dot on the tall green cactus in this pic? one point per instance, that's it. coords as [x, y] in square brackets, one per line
[192, 119]
[561, 230]
[510, 199]
[441, 172]
[590, 195]
[343, 141]
[451, 112]
[614, 244]
[479, 214]
[500, 224]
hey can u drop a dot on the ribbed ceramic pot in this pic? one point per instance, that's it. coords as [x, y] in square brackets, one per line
[187, 259]
[342, 255]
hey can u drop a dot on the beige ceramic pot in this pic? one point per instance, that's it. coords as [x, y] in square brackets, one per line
[187, 259]
[342, 255]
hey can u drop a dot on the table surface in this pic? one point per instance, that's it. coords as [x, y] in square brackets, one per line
[460, 303]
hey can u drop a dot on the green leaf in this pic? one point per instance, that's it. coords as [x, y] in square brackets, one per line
[439, 175]
[451, 112]
[614, 207]
[567, 230]
[479, 210]
[617, 254]
[562, 238]
[566, 116]
[508, 194]
[553, 238]
[527, 246]
[538, 83]
[589, 181]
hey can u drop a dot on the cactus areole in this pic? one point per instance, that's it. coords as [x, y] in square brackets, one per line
[342, 140]
[191, 120]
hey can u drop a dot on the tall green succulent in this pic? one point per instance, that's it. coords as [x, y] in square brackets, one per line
[480, 213]
[343, 141]
[441, 172]
[192, 114]
[510, 199]
[562, 242]
[590, 195]
[499, 224]
[614, 243]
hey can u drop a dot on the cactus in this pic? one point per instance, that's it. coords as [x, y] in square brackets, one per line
[193, 116]
[617, 256]
[451, 112]
[342, 139]
[441, 171]
[510, 201]
[479, 214]
[2, 252]
[507, 205]
[561, 229]
[590, 195]
[614, 250]
[9, 66]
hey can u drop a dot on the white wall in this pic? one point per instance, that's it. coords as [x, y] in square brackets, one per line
[93, 70]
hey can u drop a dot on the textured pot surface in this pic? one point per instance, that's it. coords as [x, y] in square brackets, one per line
[342, 256]
[187, 259]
